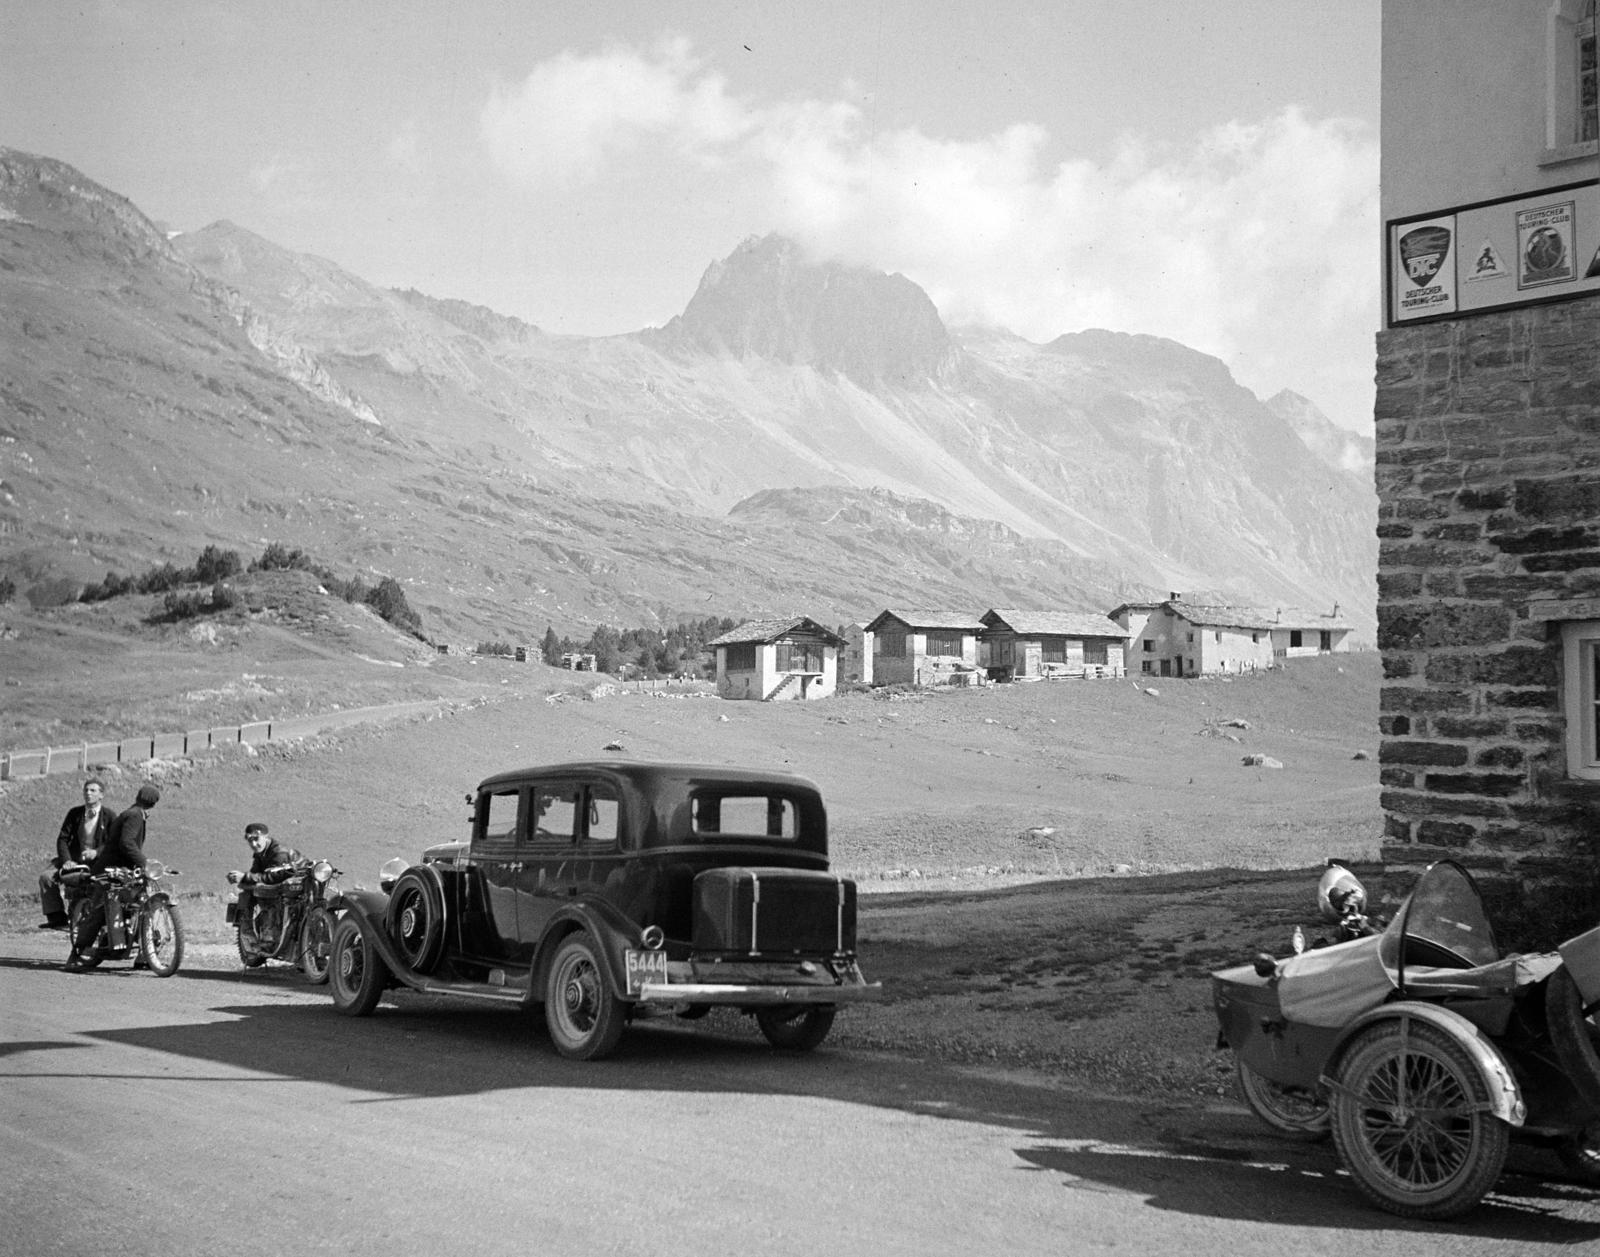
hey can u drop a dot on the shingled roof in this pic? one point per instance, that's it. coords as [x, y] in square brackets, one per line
[1256, 618]
[764, 631]
[1053, 623]
[930, 620]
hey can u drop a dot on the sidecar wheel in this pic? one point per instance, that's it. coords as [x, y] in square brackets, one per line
[1291, 1111]
[161, 937]
[356, 973]
[316, 945]
[91, 956]
[1581, 1156]
[249, 957]
[1411, 1121]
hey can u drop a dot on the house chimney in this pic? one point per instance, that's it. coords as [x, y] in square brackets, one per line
[1174, 596]
[1335, 614]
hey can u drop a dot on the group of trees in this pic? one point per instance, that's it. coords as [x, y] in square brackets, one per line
[654, 650]
[215, 567]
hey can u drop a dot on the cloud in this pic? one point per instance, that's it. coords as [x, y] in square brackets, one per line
[1255, 241]
[572, 115]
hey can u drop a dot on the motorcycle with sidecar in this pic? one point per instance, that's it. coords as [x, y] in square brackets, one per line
[1422, 1049]
[140, 923]
[292, 921]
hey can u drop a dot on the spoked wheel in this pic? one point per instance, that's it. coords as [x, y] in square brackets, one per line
[1411, 1121]
[356, 973]
[244, 939]
[416, 919]
[1581, 1155]
[796, 1029]
[1292, 1111]
[316, 945]
[91, 954]
[585, 1017]
[161, 937]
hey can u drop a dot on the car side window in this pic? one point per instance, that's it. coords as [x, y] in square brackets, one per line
[604, 810]
[770, 816]
[498, 814]
[555, 813]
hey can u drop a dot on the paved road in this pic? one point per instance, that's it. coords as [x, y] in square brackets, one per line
[223, 1113]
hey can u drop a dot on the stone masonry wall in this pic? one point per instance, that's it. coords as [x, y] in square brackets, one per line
[1488, 476]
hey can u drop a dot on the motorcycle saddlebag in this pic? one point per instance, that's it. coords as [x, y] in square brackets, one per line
[766, 911]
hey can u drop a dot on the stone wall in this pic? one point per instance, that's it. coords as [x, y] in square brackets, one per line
[1488, 475]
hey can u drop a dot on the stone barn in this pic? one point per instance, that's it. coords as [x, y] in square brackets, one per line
[922, 648]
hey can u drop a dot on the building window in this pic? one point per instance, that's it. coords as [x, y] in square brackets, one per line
[1149, 647]
[1053, 650]
[1326, 642]
[741, 657]
[891, 645]
[944, 644]
[1571, 127]
[1148, 666]
[1096, 653]
[1580, 645]
[799, 657]
[1255, 638]
[1296, 639]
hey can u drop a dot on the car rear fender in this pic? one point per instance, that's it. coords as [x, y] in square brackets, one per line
[613, 932]
[1505, 1096]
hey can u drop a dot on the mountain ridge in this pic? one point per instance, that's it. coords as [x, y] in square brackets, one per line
[1129, 464]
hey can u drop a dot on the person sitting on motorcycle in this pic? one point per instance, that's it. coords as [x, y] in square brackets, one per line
[82, 834]
[271, 863]
[123, 852]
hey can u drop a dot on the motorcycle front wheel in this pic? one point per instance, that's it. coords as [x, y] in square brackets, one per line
[161, 937]
[316, 945]
[1291, 1111]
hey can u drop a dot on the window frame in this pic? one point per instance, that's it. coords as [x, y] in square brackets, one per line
[1570, 24]
[739, 657]
[1580, 696]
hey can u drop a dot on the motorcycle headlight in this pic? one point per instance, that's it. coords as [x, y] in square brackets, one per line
[322, 871]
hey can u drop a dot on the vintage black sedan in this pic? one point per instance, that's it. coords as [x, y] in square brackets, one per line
[611, 890]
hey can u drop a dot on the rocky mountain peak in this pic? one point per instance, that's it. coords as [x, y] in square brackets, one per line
[53, 196]
[767, 299]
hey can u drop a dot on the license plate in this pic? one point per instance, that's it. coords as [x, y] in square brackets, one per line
[645, 966]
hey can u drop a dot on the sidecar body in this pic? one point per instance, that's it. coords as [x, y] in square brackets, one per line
[1422, 1048]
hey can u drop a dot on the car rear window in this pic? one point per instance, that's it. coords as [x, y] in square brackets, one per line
[747, 815]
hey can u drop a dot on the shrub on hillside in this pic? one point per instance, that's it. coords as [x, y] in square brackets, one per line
[8, 590]
[160, 579]
[389, 601]
[112, 587]
[278, 557]
[56, 592]
[215, 565]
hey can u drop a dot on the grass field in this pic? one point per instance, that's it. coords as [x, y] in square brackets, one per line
[1052, 870]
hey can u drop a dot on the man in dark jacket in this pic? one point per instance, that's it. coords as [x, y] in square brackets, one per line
[84, 831]
[123, 849]
[271, 863]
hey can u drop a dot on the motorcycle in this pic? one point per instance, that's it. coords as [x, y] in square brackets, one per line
[141, 921]
[291, 921]
[1420, 1048]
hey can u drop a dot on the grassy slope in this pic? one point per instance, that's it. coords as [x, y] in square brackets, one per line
[954, 797]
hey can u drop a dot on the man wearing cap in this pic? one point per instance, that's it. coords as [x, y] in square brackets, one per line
[123, 849]
[271, 863]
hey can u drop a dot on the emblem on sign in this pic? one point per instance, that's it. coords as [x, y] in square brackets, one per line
[1422, 253]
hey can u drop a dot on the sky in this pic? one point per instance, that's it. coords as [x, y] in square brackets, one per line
[1204, 170]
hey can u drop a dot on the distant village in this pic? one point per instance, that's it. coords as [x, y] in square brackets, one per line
[799, 658]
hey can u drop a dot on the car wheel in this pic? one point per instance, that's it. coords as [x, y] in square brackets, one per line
[585, 1017]
[356, 973]
[316, 945]
[416, 919]
[796, 1029]
[161, 937]
[1292, 1111]
[1411, 1121]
